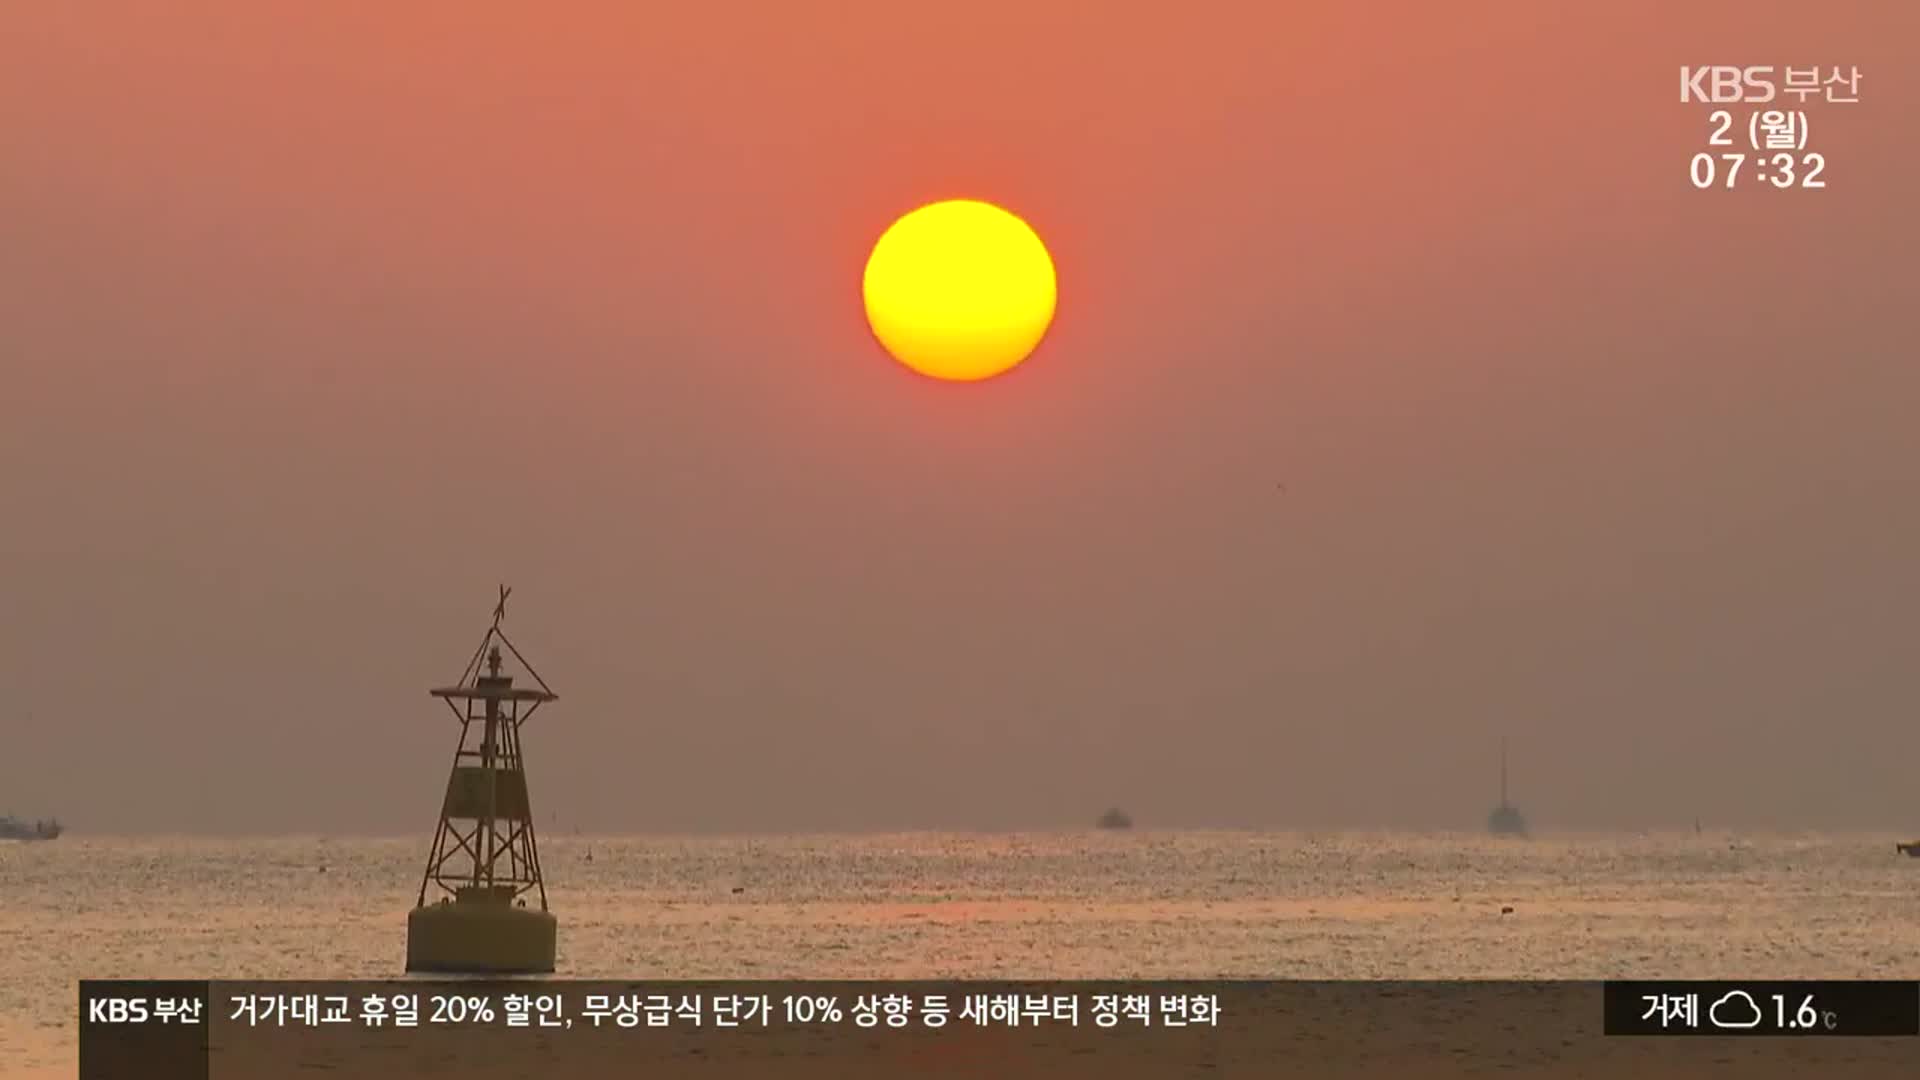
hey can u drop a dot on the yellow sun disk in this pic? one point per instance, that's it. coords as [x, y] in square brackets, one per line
[960, 290]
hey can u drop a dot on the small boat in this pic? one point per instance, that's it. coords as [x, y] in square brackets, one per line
[1911, 850]
[1115, 818]
[13, 828]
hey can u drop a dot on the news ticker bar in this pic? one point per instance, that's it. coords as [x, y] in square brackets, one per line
[1059, 1030]
[1795, 1008]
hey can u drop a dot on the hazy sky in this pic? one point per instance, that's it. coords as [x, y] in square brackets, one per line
[315, 326]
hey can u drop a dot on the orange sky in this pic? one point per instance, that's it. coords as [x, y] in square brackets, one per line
[313, 328]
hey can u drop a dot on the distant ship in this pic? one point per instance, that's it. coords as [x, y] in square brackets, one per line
[13, 828]
[1115, 818]
[1506, 819]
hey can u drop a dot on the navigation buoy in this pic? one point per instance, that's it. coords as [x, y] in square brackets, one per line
[1506, 819]
[484, 863]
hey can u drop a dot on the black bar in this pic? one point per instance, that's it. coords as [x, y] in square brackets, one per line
[513, 1029]
[1760, 1008]
[140, 1030]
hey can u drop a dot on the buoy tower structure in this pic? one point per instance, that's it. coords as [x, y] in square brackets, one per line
[1506, 819]
[472, 915]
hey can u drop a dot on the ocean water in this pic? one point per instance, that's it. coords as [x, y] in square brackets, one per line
[1078, 904]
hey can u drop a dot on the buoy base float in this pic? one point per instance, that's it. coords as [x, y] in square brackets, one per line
[478, 933]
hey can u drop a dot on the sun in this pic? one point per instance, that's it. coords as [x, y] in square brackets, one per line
[960, 290]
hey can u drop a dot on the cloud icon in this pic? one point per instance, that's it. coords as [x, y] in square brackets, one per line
[1735, 1010]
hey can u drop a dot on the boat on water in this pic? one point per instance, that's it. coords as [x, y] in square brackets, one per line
[13, 828]
[1506, 819]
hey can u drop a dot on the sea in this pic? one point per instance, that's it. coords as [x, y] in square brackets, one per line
[1081, 904]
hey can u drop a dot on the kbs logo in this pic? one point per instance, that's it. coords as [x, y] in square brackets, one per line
[117, 1011]
[1726, 84]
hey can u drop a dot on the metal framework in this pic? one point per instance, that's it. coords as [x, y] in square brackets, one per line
[484, 847]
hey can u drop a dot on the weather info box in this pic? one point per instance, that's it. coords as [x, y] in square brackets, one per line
[568, 1029]
[1786, 1009]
